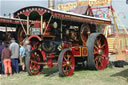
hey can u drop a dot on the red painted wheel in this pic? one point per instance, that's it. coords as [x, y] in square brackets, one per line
[97, 51]
[84, 32]
[66, 63]
[20, 35]
[32, 59]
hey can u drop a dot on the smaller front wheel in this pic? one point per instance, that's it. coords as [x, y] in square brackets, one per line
[66, 63]
[32, 59]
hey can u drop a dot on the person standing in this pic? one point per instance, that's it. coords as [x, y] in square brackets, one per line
[1, 48]
[6, 57]
[27, 47]
[14, 47]
[22, 56]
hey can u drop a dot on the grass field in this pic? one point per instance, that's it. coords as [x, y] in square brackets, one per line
[109, 76]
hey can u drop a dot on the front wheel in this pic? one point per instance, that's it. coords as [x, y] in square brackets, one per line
[97, 51]
[31, 61]
[66, 63]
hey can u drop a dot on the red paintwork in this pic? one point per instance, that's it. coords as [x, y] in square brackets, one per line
[65, 44]
[36, 36]
[79, 18]
[80, 51]
[37, 25]
[49, 62]
[76, 51]
[43, 54]
[11, 21]
[27, 10]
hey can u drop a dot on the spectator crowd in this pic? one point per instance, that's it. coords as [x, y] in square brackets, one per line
[12, 55]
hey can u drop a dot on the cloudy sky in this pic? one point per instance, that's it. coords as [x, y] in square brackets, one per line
[10, 6]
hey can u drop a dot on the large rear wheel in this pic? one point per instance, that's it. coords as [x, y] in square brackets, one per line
[32, 59]
[97, 51]
[66, 63]
[84, 32]
[20, 34]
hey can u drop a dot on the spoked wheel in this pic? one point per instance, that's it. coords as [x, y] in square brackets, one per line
[32, 59]
[97, 51]
[84, 32]
[20, 35]
[66, 63]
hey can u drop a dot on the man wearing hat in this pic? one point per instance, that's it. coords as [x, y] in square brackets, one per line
[14, 47]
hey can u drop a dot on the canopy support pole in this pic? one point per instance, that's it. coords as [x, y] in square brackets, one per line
[22, 26]
[27, 25]
[47, 24]
[41, 25]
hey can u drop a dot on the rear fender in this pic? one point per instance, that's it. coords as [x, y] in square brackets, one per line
[43, 54]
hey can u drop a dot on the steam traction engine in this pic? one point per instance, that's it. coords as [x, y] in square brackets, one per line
[63, 39]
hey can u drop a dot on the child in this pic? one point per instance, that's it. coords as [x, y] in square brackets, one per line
[22, 56]
[6, 57]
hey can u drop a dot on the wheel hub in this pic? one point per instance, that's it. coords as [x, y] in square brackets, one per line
[100, 51]
[68, 63]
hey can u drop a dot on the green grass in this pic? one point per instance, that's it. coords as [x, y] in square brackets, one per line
[109, 76]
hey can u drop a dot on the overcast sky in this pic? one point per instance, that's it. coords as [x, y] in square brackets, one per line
[10, 6]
